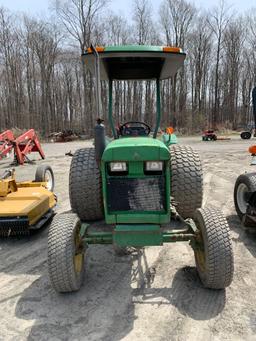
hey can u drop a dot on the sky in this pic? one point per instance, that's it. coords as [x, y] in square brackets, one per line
[119, 6]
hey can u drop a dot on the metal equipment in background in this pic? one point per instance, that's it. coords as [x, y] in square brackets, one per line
[245, 194]
[209, 135]
[247, 134]
[26, 206]
[23, 145]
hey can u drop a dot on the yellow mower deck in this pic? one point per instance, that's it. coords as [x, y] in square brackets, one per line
[24, 206]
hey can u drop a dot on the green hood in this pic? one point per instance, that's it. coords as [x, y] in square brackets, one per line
[136, 149]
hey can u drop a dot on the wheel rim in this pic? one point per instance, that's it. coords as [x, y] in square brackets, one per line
[79, 253]
[199, 253]
[48, 180]
[242, 197]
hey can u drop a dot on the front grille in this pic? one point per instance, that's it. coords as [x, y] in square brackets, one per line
[130, 194]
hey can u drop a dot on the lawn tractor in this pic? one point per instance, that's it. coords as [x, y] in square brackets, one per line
[128, 191]
[251, 130]
[209, 135]
[26, 206]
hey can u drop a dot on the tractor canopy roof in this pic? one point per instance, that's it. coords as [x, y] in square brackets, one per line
[134, 62]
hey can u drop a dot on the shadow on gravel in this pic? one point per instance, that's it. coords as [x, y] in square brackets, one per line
[187, 294]
[104, 308]
[101, 310]
[24, 254]
[247, 237]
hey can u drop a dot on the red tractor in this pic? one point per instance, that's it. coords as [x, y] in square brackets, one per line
[209, 135]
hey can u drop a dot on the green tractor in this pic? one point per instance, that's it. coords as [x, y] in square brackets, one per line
[128, 191]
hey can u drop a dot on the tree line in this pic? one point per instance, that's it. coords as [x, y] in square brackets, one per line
[43, 84]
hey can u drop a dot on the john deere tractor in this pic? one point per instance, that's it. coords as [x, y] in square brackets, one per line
[136, 184]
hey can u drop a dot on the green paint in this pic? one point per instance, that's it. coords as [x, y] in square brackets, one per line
[98, 238]
[83, 229]
[169, 139]
[137, 235]
[136, 149]
[142, 217]
[122, 217]
[168, 62]
[133, 48]
[136, 228]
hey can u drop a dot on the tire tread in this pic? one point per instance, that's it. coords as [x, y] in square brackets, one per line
[85, 186]
[186, 180]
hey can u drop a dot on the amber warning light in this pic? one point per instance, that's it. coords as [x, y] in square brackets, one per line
[172, 49]
[252, 150]
[98, 49]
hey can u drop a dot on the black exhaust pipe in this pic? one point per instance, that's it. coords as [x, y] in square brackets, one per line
[99, 139]
[254, 108]
[99, 130]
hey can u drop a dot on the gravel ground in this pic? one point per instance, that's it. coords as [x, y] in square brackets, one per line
[154, 294]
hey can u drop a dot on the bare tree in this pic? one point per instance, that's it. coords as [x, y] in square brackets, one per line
[218, 20]
[199, 44]
[176, 19]
[43, 84]
[79, 18]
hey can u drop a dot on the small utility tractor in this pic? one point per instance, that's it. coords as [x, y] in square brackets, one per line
[209, 135]
[136, 183]
[26, 206]
[251, 130]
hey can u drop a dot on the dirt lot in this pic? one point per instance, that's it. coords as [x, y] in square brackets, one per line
[152, 295]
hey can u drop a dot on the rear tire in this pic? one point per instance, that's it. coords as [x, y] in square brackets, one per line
[85, 188]
[245, 135]
[65, 253]
[44, 173]
[245, 185]
[215, 262]
[186, 180]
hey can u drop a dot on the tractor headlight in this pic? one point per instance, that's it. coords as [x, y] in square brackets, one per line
[118, 166]
[154, 166]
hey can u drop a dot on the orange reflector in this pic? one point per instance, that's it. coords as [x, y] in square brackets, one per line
[172, 49]
[252, 149]
[98, 49]
[169, 130]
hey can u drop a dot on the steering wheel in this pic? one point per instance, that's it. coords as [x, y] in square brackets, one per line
[134, 128]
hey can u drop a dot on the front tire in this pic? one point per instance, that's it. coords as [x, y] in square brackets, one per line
[65, 253]
[186, 180]
[214, 253]
[245, 135]
[245, 185]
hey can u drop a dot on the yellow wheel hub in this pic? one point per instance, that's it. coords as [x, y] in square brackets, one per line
[200, 255]
[79, 253]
